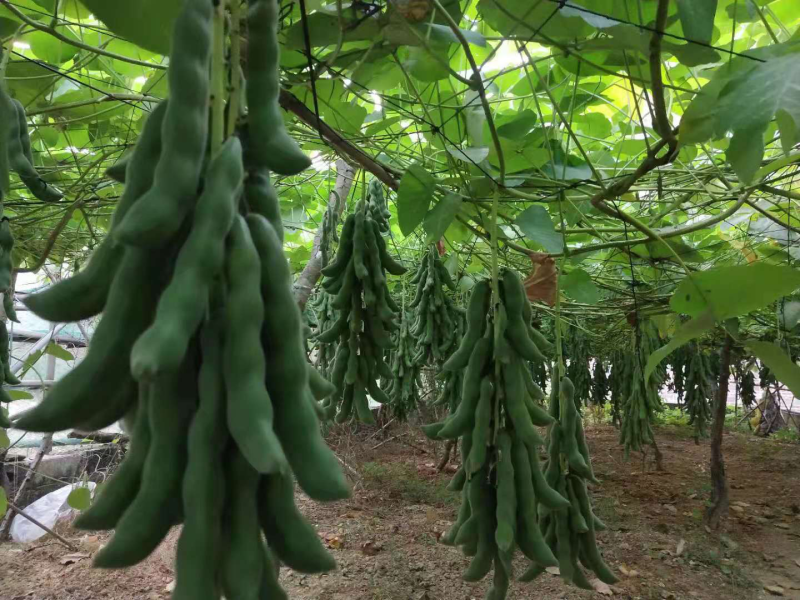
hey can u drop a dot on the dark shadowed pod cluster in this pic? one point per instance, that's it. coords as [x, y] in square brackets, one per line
[367, 314]
[200, 345]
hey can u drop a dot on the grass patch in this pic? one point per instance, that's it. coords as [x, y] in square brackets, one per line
[402, 482]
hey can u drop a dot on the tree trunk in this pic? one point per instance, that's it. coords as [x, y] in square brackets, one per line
[311, 273]
[719, 483]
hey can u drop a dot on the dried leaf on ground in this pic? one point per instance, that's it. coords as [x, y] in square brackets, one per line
[73, 558]
[775, 590]
[371, 548]
[601, 588]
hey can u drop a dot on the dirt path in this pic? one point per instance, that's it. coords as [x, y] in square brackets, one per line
[385, 537]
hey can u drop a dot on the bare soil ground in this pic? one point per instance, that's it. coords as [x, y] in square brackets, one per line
[385, 537]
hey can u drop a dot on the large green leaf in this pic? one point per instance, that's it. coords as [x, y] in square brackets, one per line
[697, 19]
[579, 285]
[414, 197]
[536, 224]
[440, 216]
[785, 369]
[146, 23]
[3, 502]
[734, 291]
[685, 333]
[748, 101]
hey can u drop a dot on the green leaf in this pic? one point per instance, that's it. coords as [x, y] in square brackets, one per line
[414, 197]
[19, 395]
[440, 216]
[734, 291]
[685, 333]
[51, 49]
[697, 19]
[147, 23]
[80, 498]
[3, 502]
[751, 100]
[579, 285]
[594, 125]
[745, 153]
[4, 443]
[537, 226]
[785, 369]
[59, 352]
[518, 126]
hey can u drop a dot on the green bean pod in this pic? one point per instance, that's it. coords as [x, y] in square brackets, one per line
[8, 305]
[294, 540]
[183, 303]
[157, 505]
[119, 492]
[270, 144]
[198, 552]
[242, 564]
[314, 464]
[87, 388]
[18, 160]
[250, 410]
[84, 294]
[262, 199]
[159, 213]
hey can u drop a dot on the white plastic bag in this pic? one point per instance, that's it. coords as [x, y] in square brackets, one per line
[47, 510]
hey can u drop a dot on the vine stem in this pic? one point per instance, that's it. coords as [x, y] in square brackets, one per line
[218, 71]
[235, 85]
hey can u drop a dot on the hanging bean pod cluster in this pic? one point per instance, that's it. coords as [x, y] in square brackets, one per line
[404, 387]
[619, 383]
[329, 223]
[377, 207]
[6, 272]
[452, 381]
[746, 383]
[699, 392]
[599, 383]
[679, 362]
[502, 483]
[366, 318]
[639, 408]
[434, 324]
[325, 315]
[570, 533]
[200, 345]
[578, 368]
[16, 154]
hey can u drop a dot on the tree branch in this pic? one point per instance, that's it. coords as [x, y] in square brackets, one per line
[345, 174]
[340, 145]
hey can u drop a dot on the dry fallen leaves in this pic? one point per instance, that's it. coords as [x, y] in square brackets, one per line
[775, 590]
[541, 284]
[371, 548]
[333, 541]
[69, 559]
[601, 588]
[681, 547]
